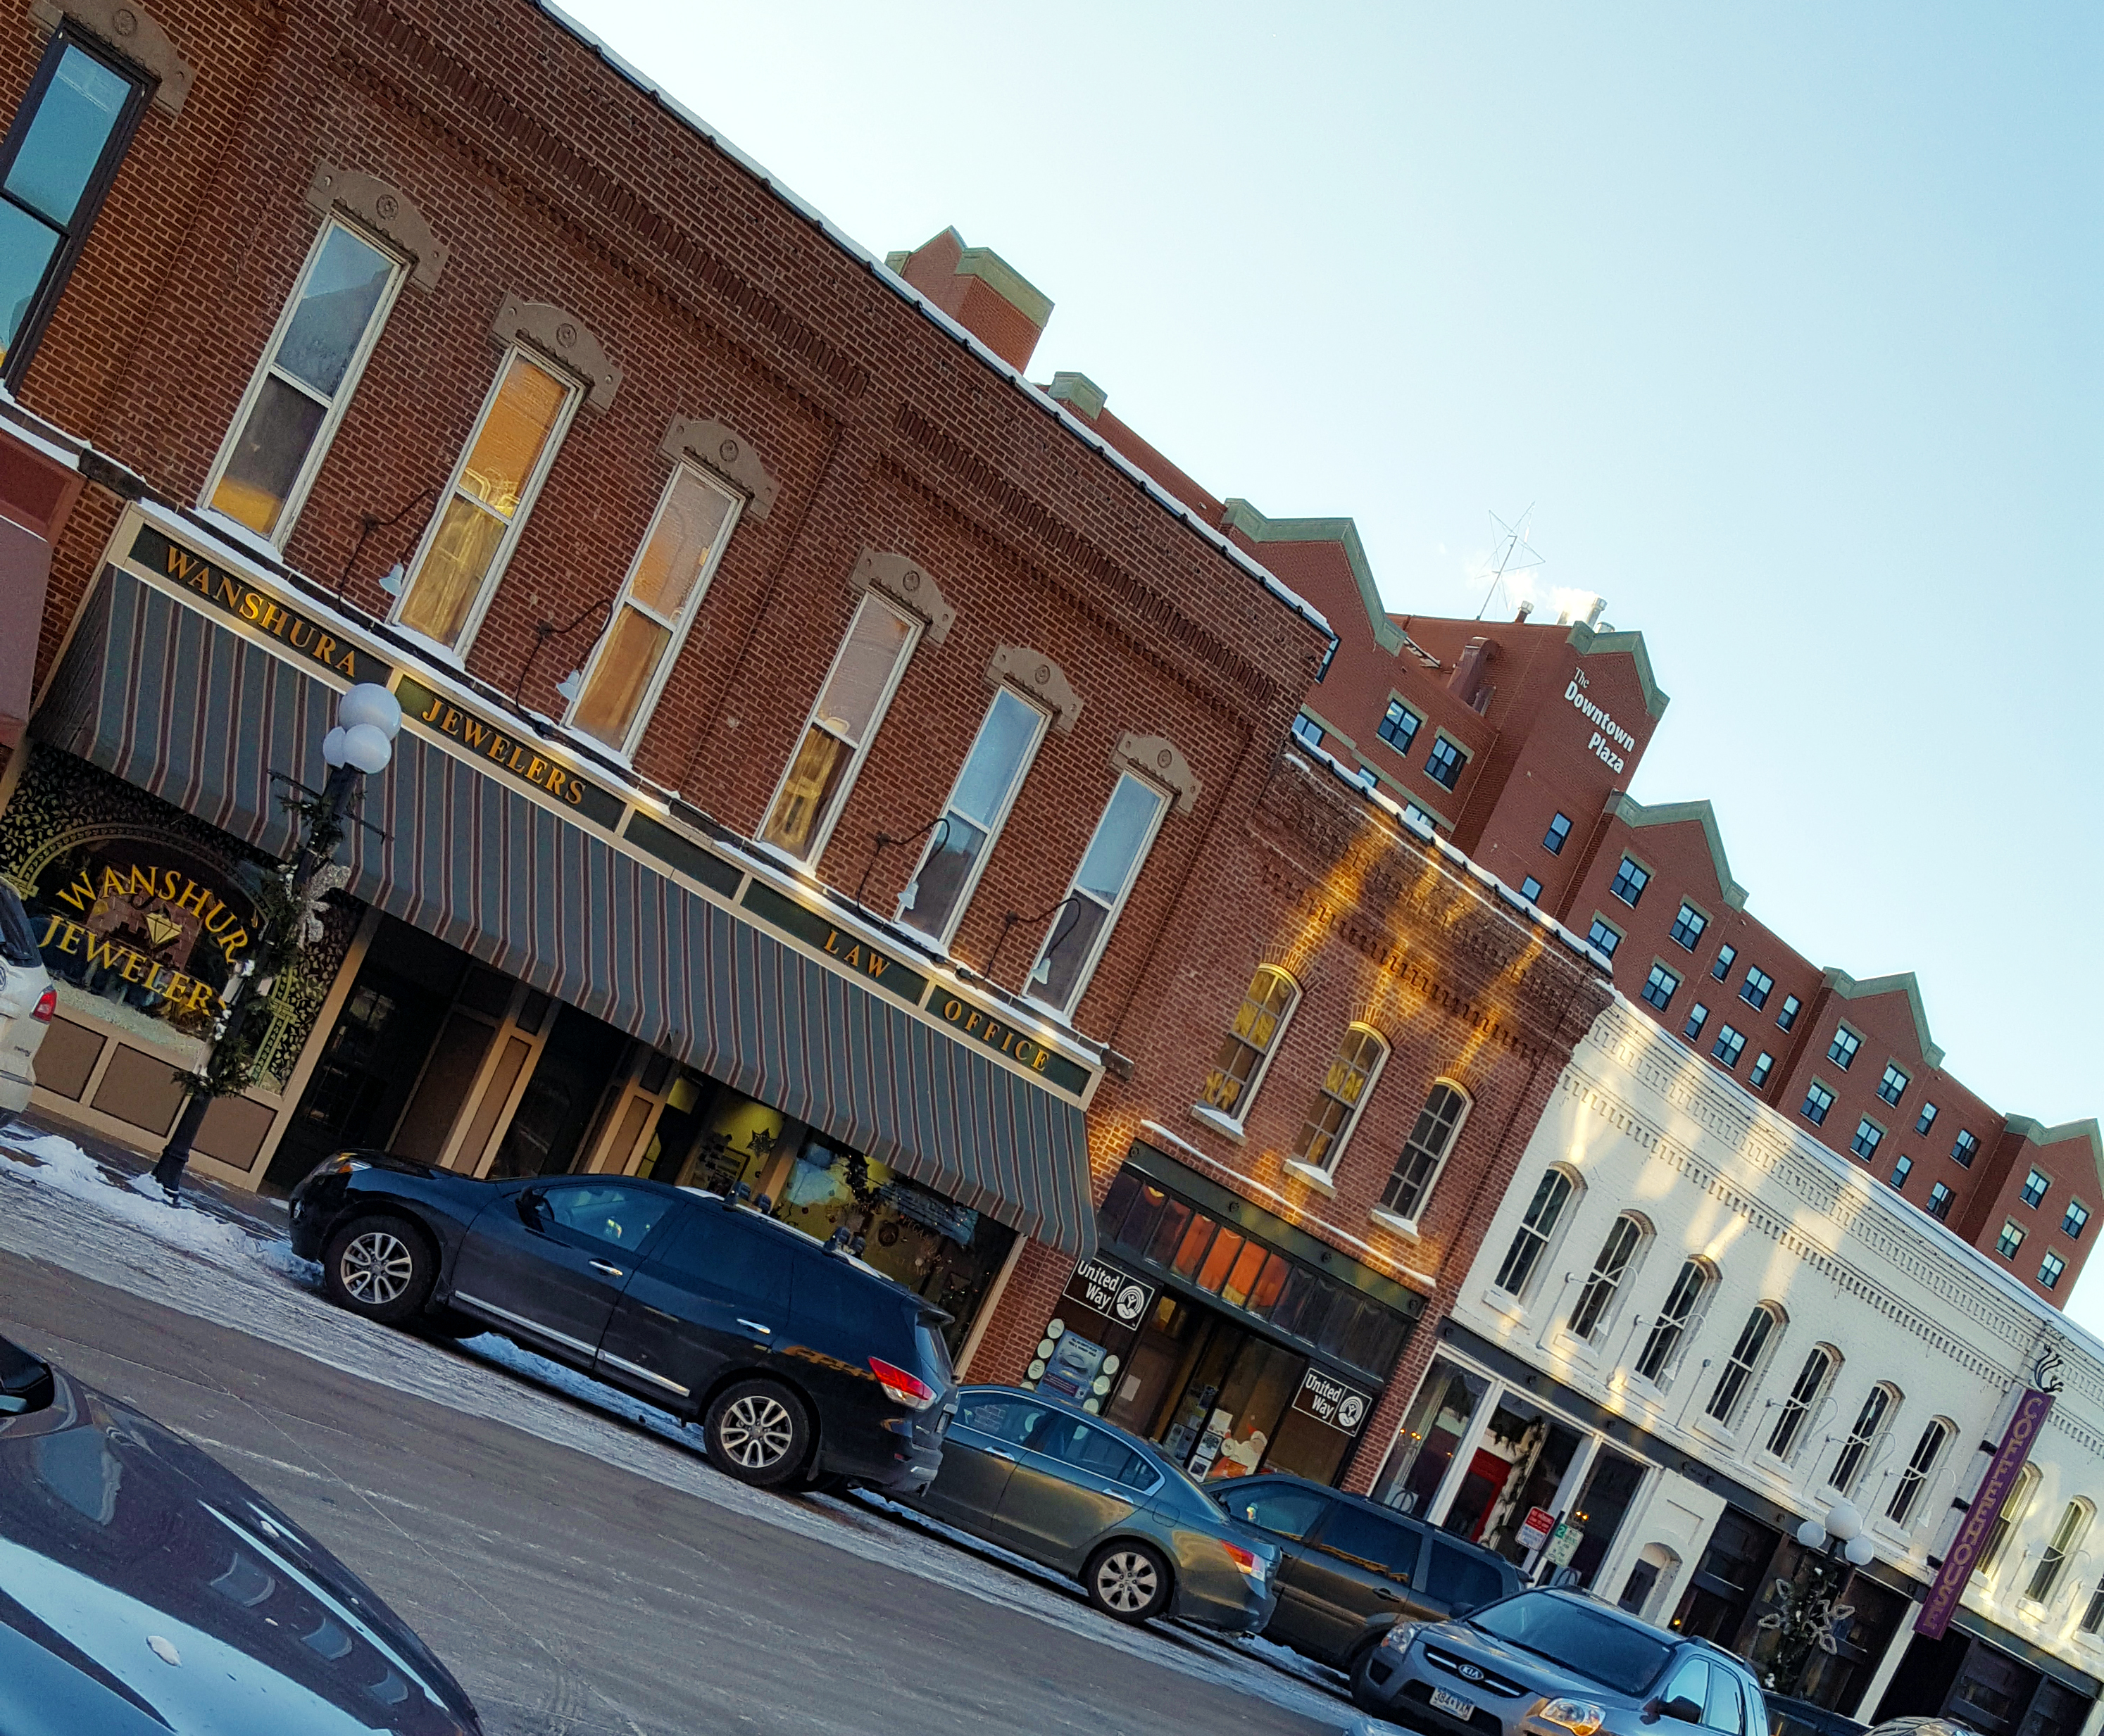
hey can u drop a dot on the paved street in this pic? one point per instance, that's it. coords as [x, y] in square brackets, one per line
[572, 1592]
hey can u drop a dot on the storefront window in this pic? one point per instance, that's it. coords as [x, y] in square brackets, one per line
[1431, 1433]
[1610, 1487]
[1519, 1465]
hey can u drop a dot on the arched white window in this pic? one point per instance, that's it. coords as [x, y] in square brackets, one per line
[2068, 1538]
[1879, 1405]
[1805, 1392]
[1537, 1229]
[1755, 1340]
[1246, 1051]
[1625, 1236]
[1919, 1469]
[1343, 1092]
[1673, 1320]
[2016, 1508]
[1424, 1153]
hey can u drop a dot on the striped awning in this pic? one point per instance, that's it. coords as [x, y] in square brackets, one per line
[164, 698]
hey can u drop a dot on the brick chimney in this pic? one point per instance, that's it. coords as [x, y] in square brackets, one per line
[981, 291]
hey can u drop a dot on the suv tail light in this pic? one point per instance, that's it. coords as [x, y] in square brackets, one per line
[909, 1390]
[47, 1004]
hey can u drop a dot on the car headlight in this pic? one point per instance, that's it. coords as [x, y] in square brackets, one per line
[344, 1163]
[1581, 1717]
[1398, 1637]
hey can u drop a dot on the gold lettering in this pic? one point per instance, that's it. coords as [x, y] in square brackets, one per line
[230, 944]
[833, 940]
[1037, 1064]
[575, 795]
[230, 594]
[178, 986]
[450, 724]
[202, 895]
[349, 666]
[179, 561]
[950, 1009]
[512, 764]
[100, 952]
[991, 1034]
[81, 894]
[273, 619]
[292, 634]
[472, 731]
[170, 880]
[878, 963]
[218, 919]
[128, 969]
[52, 927]
[972, 1021]
[538, 770]
[498, 745]
[555, 781]
[71, 943]
[854, 957]
[431, 716]
[324, 648]
[250, 604]
[142, 882]
[201, 998]
[113, 883]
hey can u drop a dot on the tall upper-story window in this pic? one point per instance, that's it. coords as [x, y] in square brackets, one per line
[1744, 1364]
[56, 163]
[2067, 1539]
[1417, 1168]
[1081, 926]
[1805, 1393]
[665, 586]
[1624, 1236]
[486, 501]
[1343, 1094]
[1878, 1404]
[1536, 1230]
[1915, 1479]
[843, 722]
[1246, 1051]
[308, 374]
[1673, 1320]
[2016, 1509]
[963, 838]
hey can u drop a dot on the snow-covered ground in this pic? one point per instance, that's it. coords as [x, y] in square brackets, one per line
[60, 1206]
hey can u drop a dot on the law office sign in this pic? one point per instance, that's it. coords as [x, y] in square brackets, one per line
[1941, 1603]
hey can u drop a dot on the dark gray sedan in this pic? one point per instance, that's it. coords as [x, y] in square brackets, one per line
[1556, 1660]
[1068, 1490]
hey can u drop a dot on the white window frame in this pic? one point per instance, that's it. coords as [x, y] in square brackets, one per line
[995, 827]
[823, 835]
[1880, 1427]
[1388, 1215]
[1918, 1475]
[1683, 1326]
[1810, 1408]
[1618, 1288]
[1547, 1241]
[1163, 802]
[303, 481]
[1327, 1172]
[1750, 1374]
[1255, 1083]
[501, 559]
[624, 598]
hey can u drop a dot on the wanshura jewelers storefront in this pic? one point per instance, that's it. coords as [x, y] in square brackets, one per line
[1233, 1338]
[535, 966]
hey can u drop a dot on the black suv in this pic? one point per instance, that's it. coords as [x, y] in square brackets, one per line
[795, 1358]
[1354, 1568]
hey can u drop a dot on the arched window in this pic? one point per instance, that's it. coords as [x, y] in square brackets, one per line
[2092, 1618]
[1673, 1319]
[1805, 1393]
[1424, 1152]
[2015, 1510]
[1920, 1468]
[1343, 1092]
[1624, 1236]
[1747, 1355]
[1878, 1404]
[2068, 1538]
[1246, 1051]
[1532, 1240]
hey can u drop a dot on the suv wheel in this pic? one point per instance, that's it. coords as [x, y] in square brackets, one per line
[758, 1431]
[379, 1267]
[1127, 1581]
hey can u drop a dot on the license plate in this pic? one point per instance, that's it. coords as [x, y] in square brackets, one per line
[1452, 1704]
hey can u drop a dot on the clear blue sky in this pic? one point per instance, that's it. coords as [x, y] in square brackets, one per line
[1787, 320]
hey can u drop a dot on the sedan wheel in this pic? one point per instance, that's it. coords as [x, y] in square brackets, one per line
[758, 1433]
[1127, 1581]
[379, 1267]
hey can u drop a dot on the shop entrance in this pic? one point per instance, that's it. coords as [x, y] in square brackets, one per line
[1221, 1398]
[373, 1054]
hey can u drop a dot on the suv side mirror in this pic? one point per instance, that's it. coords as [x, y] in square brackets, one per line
[1678, 1706]
[25, 1381]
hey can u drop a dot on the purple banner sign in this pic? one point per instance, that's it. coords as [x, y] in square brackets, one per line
[1941, 1603]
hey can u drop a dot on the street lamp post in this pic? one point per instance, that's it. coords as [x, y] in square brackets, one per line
[1805, 1613]
[361, 744]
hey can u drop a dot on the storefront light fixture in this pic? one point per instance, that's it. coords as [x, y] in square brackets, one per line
[1844, 1526]
[368, 720]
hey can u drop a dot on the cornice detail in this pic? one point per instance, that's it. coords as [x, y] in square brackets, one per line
[729, 453]
[1033, 673]
[565, 339]
[134, 33]
[386, 210]
[1156, 756]
[909, 585]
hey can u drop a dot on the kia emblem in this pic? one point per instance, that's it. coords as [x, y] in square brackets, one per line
[1470, 1672]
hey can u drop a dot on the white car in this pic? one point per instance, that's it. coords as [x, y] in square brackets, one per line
[27, 1002]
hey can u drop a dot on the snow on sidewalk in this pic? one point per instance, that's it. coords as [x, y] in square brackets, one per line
[59, 1206]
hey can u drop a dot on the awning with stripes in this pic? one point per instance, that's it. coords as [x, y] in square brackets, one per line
[166, 698]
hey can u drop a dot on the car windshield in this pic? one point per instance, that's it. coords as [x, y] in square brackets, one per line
[1616, 1654]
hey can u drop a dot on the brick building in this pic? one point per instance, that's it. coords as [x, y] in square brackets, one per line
[832, 767]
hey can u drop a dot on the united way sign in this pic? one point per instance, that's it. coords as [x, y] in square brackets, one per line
[1118, 1296]
[1328, 1399]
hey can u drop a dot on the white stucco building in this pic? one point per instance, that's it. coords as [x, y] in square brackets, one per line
[1692, 1326]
